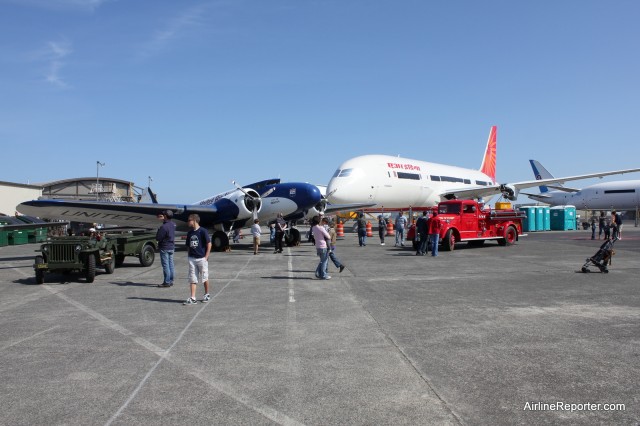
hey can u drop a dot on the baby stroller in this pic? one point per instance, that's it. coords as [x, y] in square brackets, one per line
[602, 258]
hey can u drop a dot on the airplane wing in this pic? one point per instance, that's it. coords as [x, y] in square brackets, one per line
[563, 188]
[141, 215]
[12, 227]
[337, 208]
[511, 190]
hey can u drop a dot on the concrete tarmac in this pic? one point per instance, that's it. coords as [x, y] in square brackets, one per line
[478, 336]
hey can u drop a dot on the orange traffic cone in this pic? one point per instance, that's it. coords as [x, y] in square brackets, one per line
[369, 229]
[339, 229]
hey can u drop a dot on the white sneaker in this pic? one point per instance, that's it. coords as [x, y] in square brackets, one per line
[381, 244]
[206, 298]
[190, 301]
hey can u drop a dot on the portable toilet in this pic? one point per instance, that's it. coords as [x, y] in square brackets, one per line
[547, 218]
[540, 218]
[563, 218]
[529, 224]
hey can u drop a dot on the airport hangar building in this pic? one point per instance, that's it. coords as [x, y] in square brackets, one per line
[105, 189]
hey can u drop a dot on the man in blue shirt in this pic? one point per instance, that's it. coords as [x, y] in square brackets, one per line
[199, 246]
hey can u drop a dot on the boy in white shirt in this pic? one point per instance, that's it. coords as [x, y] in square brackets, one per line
[256, 232]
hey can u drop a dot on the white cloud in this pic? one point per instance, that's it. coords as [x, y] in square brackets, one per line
[175, 28]
[90, 5]
[54, 55]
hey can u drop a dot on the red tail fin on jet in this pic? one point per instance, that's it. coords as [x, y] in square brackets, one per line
[489, 162]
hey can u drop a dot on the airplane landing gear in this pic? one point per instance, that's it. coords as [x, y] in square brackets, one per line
[292, 237]
[219, 241]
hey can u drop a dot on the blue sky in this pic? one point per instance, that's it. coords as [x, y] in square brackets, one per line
[197, 93]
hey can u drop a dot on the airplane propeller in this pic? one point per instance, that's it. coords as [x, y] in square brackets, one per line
[254, 202]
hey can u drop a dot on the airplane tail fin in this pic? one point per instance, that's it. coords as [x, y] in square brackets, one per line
[539, 172]
[488, 166]
[154, 198]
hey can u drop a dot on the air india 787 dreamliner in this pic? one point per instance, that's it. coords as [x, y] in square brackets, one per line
[396, 183]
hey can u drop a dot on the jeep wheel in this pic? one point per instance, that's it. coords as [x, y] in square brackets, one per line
[111, 266]
[147, 255]
[119, 260]
[39, 272]
[90, 265]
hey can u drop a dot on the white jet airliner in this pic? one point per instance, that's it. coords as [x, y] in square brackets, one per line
[395, 183]
[620, 195]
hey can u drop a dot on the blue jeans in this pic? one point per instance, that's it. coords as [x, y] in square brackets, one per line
[166, 260]
[434, 244]
[362, 237]
[399, 236]
[422, 245]
[321, 270]
[334, 258]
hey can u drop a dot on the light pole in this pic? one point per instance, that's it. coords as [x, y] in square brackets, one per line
[98, 164]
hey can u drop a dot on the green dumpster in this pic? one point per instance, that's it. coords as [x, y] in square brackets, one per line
[17, 237]
[4, 238]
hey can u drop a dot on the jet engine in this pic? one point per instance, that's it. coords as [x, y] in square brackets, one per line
[509, 192]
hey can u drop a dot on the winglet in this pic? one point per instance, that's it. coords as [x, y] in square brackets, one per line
[488, 166]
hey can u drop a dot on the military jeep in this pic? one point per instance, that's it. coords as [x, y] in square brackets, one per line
[85, 254]
[75, 254]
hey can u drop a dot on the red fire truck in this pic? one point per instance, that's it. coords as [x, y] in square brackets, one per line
[468, 221]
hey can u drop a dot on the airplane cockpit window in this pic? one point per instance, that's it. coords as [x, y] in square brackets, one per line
[404, 175]
[336, 173]
[345, 172]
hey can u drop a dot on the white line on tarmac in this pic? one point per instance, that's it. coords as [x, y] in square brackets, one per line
[291, 290]
[27, 338]
[264, 410]
[107, 322]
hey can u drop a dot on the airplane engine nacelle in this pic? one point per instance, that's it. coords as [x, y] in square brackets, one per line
[317, 209]
[509, 192]
[236, 204]
[247, 202]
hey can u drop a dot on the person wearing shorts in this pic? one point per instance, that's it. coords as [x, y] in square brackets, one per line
[199, 247]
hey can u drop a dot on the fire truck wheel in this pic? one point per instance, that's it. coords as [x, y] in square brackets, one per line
[510, 236]
[449, 241]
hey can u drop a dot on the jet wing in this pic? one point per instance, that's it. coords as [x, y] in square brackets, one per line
[511, 191]
[562, 188]
[337, 208]
[141, 215]
[12, 227]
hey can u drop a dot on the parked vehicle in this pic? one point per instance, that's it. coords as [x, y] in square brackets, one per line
[86, 254]
[468, 221]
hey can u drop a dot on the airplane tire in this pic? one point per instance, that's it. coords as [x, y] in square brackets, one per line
[449, 241]
[219, 241]
[292, 238]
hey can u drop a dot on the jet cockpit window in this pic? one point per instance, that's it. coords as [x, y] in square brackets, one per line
[345, 173]
[404, 175]
[336, 173]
